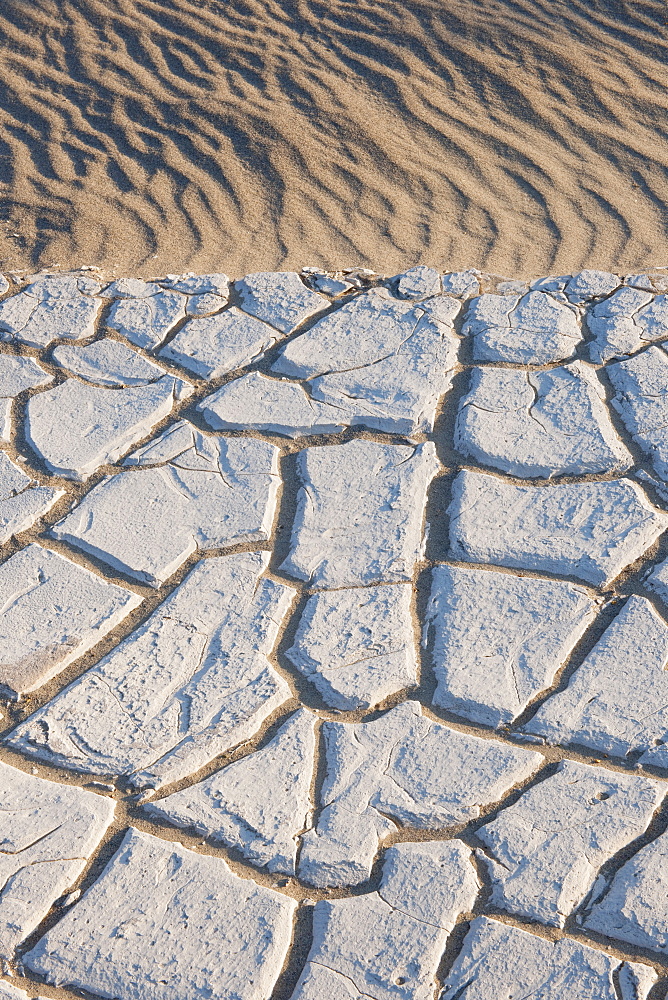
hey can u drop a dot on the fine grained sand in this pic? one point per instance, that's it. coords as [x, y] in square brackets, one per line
[521, 136]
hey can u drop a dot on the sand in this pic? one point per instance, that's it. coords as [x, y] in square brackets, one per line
[519, 136]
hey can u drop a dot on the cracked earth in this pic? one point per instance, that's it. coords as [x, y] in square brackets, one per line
[334, 634]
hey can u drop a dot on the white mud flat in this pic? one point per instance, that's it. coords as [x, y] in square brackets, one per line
[334, 637]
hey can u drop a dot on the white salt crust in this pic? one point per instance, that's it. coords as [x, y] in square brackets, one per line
[401, 770]
[163, 923]
[197, 284]
[75, 428]
[211, 346]
[625, 322]
[330, 286]
[280, 298]
[205, 304]
[16, 375]
[544, 851]
[146, 319]
[130, 288]
[107, 362]
[532, 329]
[632, 906]
[463, 284]
[22, 499]
[496, 640]
[10, 992]
[499, 961]
[387, 944]
[259, 804]
[591, 531]
[190, 683]
[539, 424]
[49, 308]
[357, 646]
[207, 293]
[386, 361]
[189, 492]
[616, 701]
[276, 406]
[317, 800]
[589, 285]
[658, 581]
[418, 282]
[345, 532]
[48, 833]
[53, 611]
[641, 399]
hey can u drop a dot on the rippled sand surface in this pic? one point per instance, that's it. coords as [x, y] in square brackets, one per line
[521, 136]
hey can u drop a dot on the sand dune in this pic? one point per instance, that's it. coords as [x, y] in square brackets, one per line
[522, 136]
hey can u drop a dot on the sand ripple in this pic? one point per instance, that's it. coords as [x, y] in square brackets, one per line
[518, 135]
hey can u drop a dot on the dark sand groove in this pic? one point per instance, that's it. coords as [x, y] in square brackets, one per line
[518, 135]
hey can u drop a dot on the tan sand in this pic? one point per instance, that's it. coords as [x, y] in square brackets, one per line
[520, 136]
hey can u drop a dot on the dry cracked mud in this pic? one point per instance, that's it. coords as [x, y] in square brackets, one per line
[334, 621]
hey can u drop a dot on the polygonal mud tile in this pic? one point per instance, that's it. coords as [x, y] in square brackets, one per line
[53, 611]
[144, 312]
[276, 406]
[631, 907]
[357, 646]
[591, 531]
[280, 298]
[463, 284]
[22, 499]
[555, 284]
[328, 285]
[616, 701]
[657, 581]
[507, 286]
[49, 308]
[164, 923]
[546, 848]
[614, 324]
[539, 423]
[639, 281]
[107, 362]
[359, 514]
[48, 833]
[387, 944]
[418, 282]
[260, 804]
[75, 427]
[130, 288]
[652, 320]
[207, 293]
[192, 682]
[532, 329]
[16, 374]
[399, 770]
[498, 640]
[386, 360]
[205, 304]
[200, 492]
[590, 284]
[321, 983]
[499, 961]
[210, 346]
[641, 399]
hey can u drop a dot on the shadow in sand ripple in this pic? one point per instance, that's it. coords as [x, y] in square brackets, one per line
[522, 135]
